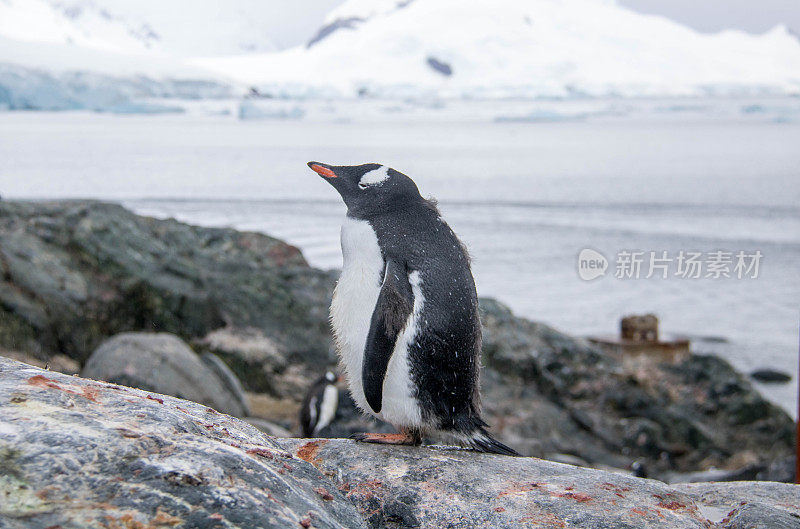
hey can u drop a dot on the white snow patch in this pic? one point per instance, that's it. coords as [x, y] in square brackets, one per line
[374, 177]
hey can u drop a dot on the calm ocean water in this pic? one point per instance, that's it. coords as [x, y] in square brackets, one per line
[526, 197]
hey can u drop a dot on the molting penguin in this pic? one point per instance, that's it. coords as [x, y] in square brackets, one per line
[319, 405]
[405, 311]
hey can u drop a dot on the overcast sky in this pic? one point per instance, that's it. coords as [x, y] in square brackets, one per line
[300, 19]
[755, 16]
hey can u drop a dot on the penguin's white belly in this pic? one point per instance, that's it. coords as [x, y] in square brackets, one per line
[354, 301]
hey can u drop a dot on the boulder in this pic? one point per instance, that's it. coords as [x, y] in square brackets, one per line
[77, 272]
[164, 363]
[546, 392]
[77, 453]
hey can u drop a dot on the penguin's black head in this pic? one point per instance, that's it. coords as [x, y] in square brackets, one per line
[369, 189]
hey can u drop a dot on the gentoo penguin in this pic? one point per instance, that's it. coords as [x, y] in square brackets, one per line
[319, 405]
[405, 311]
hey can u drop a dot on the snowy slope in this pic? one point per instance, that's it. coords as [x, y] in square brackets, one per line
[210, 27]
[103, 54]
[512, 48]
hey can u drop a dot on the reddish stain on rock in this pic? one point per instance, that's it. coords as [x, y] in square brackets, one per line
[672, 505]
[164, 519]
[263, 452]
[323, 493]
[90, 393]
[43, 382]
[639, 512]
[366, 490]
[306, 522]
[215, 516]
[160, 401]
[308, 452]
[618, 489]
[580, 497]
[499, 509]
[86, 392]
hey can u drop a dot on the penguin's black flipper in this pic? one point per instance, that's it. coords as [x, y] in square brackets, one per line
[395, 303]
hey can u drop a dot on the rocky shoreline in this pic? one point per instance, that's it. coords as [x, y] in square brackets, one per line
[76, 273]
[76, 453]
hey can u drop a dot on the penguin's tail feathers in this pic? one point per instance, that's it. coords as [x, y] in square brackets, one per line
[481, 441]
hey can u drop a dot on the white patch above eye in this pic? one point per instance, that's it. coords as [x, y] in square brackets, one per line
[374, 177]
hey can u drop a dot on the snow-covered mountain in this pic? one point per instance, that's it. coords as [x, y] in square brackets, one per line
[182, 29]
[103, 53]
[512, 48]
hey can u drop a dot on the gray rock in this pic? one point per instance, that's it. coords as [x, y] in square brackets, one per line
[165, 364]
[770, 376]
[255, 358]
[228, 379]
[437, 487]
[782, 470]
[741, 505]
[76, 272]
[76, 453]
[547, 392]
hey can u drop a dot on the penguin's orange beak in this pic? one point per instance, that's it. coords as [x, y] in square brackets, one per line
[322, 170]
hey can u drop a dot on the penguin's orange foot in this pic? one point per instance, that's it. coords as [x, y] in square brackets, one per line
[406, 438]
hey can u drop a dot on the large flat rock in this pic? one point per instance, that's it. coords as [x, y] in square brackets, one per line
[441, 487]
[75, 453]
